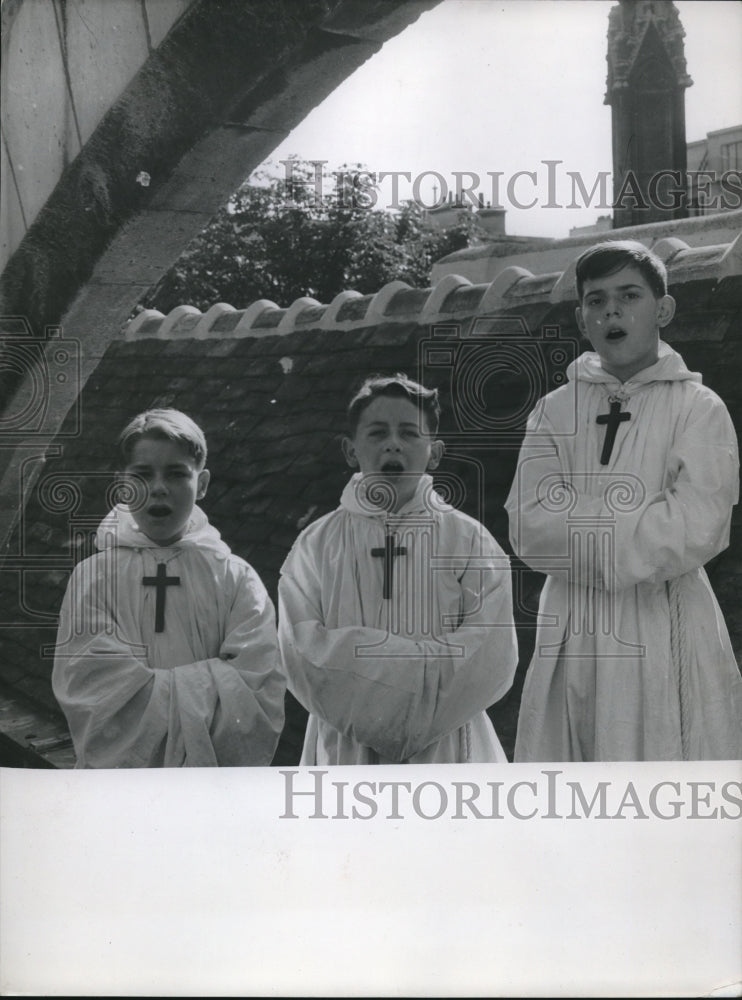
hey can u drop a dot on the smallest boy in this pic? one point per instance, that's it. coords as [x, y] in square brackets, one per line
[395, 613]
[166, 652]
[625, 487]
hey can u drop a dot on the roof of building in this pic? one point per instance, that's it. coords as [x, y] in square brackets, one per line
[670, 240]
[451, 296]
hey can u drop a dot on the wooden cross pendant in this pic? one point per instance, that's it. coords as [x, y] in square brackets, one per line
[388, 553]
[161, 582]
[612, 420]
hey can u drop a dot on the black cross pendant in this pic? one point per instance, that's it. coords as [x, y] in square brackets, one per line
[161, 582]
[388, 553]
[612, 420]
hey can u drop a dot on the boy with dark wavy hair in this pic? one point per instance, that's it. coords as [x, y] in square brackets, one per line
[625, 487]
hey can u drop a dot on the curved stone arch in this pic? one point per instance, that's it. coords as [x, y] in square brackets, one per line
[225, 86]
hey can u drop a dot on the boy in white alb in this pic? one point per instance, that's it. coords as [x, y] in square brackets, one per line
[395, 611]
[166, 653]
[625, 487]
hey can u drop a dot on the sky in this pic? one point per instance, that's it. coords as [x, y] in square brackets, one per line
[499, 86]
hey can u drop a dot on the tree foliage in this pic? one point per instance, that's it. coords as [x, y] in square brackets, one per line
[282, 237]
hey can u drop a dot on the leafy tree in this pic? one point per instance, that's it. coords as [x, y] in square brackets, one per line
[283, 237]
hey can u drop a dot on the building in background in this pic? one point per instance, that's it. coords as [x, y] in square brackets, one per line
[646, 84]
[603, 224]
[716, 164]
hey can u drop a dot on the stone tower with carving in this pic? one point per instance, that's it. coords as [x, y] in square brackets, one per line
[647, 79]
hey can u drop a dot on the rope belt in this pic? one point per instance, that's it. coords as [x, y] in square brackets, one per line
[679, 652]
[465, 740]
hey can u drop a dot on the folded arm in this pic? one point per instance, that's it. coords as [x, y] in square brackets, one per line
[124, 713]
[389, 692]
[654, 537]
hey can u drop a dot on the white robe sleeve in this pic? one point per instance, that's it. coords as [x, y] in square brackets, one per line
[685, 525]
[227, 710]
[664, 535]
[415, 692]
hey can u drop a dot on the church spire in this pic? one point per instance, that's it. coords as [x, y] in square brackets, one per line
[646, 83]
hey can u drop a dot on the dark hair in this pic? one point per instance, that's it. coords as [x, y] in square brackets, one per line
[399, 386]
[612, 256]
[167, 425]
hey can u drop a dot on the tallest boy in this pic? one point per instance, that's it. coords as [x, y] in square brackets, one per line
[625, 487]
